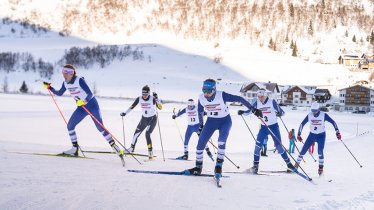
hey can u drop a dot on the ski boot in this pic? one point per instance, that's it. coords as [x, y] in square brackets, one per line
[290, 167]
[131, 149]
[73, 151]
[218, 169]
[253, 169]
[193, 171]
[320, 170]
[116, 149]
[150, 154]
[183, 157]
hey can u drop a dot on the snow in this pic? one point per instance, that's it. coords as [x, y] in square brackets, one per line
[32, 124]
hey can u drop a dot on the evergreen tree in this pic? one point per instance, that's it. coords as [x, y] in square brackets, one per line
[346, 33]
[24, 88]
[354, 38]
[294, 50]
[291, 10]
[270, 45]
[372, 38]
[310, 28]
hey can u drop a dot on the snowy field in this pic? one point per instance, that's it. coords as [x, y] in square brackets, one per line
[32, 124]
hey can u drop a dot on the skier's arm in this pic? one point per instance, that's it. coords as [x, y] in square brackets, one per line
[302, 125]
[233, 98]
[59, 92]
[278, 109]
[330, 120]
[86, 89]
[181, 112]
[200, 110]
[131, 107]
[157, 103]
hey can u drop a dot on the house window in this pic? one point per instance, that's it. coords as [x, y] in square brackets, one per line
[307, 102]
[296, 96]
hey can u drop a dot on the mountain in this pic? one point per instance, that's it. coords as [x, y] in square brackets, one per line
[236, 42]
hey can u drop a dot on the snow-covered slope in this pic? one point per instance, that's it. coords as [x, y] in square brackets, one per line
[32, 124]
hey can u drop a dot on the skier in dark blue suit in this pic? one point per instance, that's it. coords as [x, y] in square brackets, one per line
[83, 96]
[270, 110]
[214, 103]
[193, 127]
[317, 119]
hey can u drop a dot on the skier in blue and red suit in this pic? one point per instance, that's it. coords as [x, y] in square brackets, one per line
[317, 119]
[83, 96]
[214, 104]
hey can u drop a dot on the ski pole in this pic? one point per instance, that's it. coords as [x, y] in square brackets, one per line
[297, 148]
[59, 110]
[176, 124]
[98, 122]
[280, 142]
[248, 128]
[123, 132]
[62, 115]
[159, 131]
[225, 156]
[351, 154]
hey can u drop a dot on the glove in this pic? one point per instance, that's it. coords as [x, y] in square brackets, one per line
[123, 114]
[279, 114]
[257, 112]
[299, 138]
[155, 95]
[240, 112]
[338, 135]
[80, 102]
[46, 85]
[174, 116]
[200, 129]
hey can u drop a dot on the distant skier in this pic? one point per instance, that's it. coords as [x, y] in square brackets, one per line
[317, 119]
[292, 138]
[149, 118]
[214, 103]
[193, 126]
[270, 110]
[83, 96]
[264, 147]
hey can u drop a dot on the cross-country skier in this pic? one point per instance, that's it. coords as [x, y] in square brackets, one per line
[148, 121]
[292, 138]
[83, 96]
[270, 110]
[317, 119]
[264, 147]
[214, 103]
[193, 126]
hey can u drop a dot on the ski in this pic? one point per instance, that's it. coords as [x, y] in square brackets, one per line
[55, 155]
[290, 172]
[248, 173]
[182, 173]
[178, 159]
[322, 177]
[125, 153]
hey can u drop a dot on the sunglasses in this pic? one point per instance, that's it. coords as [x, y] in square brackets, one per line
[67, 71]
[208, 91]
